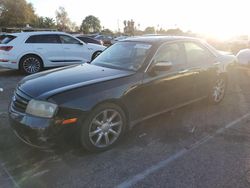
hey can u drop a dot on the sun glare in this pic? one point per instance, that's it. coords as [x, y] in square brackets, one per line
[222, 19]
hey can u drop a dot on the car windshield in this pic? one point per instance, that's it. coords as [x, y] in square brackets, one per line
[124, 55]
[5, 39]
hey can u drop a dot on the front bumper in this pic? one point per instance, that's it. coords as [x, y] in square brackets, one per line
[39, 132]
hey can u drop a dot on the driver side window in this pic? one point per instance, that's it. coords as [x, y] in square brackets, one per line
[170, 53]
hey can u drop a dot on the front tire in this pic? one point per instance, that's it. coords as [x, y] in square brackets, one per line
[97, 53]
[31, 64]
[218, 90]
[103, 128]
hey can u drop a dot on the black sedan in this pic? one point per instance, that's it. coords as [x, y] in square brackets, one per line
[89, 40]
[131, 81]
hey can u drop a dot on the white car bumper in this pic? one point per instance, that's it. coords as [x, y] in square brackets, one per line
[8, 61]
[10, 65]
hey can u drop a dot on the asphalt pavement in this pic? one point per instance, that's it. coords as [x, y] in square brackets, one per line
[200, 145]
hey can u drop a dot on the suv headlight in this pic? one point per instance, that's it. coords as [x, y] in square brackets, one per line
[41, 108]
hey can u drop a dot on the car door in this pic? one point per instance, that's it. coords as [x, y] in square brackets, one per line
[75, 51]
[166, 89]
[48, 46]
[203, 62]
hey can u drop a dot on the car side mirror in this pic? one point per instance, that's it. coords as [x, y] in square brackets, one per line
[162, 66]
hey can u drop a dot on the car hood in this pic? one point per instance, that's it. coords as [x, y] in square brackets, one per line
[45, 84]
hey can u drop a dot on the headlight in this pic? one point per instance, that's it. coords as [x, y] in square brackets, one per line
[41, 108]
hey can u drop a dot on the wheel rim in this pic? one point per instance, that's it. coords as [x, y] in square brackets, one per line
[105, 128]
[219, 90]
[97, 54]
[31, 65]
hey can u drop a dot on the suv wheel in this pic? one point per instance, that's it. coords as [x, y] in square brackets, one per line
[95, 55]
[103, 128]
[31, 64]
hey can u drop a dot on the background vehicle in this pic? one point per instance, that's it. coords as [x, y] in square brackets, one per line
[1, 37]
[105, 38]
[89, 39]
[131, 81]
[243, 57]
[117, 39]
[33, 51]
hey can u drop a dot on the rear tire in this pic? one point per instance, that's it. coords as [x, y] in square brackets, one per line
[218, 90]
[31, 64]
[103, 128]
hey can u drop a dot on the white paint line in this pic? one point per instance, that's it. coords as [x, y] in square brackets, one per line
[40, 173]
[138, 177]
[10, 176]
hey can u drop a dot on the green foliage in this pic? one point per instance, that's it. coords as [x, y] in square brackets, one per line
[16, 13]
[45, 22]
[149, 30]
[90, 24]
[107, 32]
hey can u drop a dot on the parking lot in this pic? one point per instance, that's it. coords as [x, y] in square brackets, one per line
[199, 145]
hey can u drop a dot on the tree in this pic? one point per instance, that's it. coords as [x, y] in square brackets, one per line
[107, 32]
[149, 30]
[176, 31]
[45, 22]
[49, 22]
[129, 27]
[62, 20]
[16, 13]
[73, 27]
[91, 24]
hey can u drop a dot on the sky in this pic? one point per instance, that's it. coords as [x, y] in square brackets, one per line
[215, 18]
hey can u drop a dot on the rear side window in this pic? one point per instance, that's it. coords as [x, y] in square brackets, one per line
[68, 40]
[5, 39]
[196, 53]
[170, 53]
[86, 40]
[49, 39]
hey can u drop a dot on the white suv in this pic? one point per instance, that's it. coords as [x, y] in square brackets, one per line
[32, 51]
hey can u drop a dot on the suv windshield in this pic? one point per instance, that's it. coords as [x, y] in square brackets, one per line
[124, 55]
[5, 39]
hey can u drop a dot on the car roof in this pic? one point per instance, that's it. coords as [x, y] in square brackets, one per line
[38, 33]
[159, 39]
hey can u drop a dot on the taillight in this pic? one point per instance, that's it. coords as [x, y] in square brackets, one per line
[6, 48]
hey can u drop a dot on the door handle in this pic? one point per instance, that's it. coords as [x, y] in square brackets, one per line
[66, 48]
[183, 71]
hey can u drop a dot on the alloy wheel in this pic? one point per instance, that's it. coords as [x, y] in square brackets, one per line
[105, 128]
[31, 65]
[219, 90]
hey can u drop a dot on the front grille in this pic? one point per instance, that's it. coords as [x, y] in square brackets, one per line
[20, 101]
